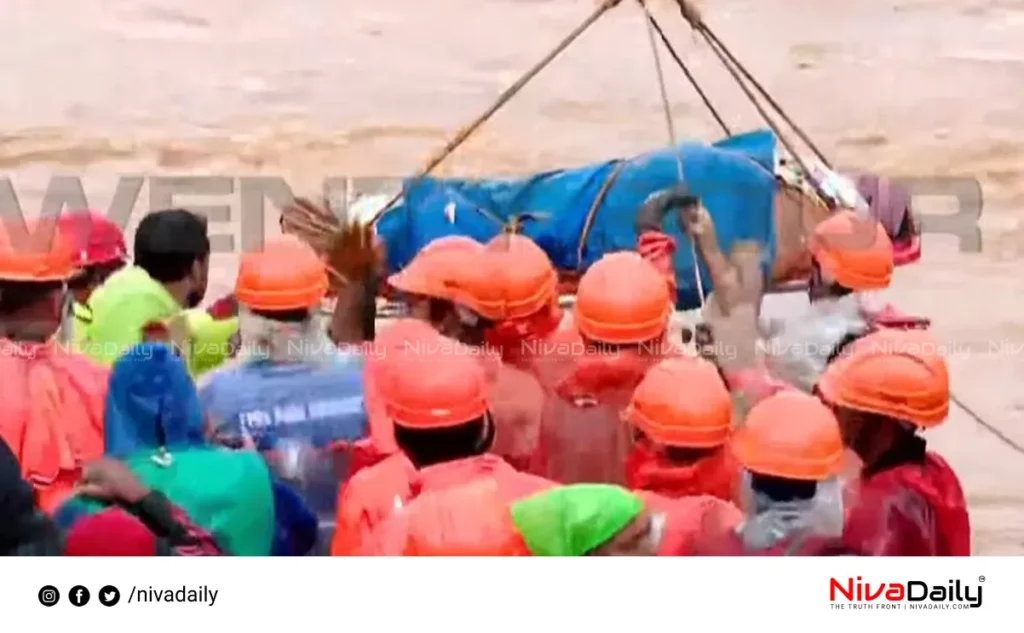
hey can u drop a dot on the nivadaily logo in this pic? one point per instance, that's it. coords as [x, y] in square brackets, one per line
[911, 594]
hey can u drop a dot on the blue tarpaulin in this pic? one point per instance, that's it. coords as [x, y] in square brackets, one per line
[733, 179]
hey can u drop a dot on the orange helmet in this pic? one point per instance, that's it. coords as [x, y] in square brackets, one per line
[682, 402]
[469, 520]
[528, 279]
[34, 252]
[622, 299]
[422, 275]
[791, 435]
[286, 274]
[899, 374]
[854, 251]
[434, 388]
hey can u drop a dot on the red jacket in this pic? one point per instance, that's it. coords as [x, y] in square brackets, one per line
[911, 509]
[716, 475]
[686, 517]
[374, 494]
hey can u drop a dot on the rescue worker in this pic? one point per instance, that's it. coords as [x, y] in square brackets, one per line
[154, 423]
[885, 390]
[681, 418]
[99, 251]
[531, 324]
[587, 520]
[622, 313]
[172, 262]
[437, 402]
[467, 300]
[791, 453]
[851, 256]
[400, 337]
[291, 391]
[53, 397]
[414, 284]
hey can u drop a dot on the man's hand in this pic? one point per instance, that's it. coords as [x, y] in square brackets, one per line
[696, 220]
[652, 213]
[732, 319]
[111, 480]
[310, 222]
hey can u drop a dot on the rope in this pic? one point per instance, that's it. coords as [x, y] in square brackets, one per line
[737, 69]
[1002, 437]
[767, 97]
[671, 135]
[686, 71]
[438, 157]
[693, 17]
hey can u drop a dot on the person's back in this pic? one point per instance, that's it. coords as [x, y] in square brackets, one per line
[291, 392]
[622, 313]
[53, 398]
[289, 409]
[907, 500]
[438, 405]
[172, 253]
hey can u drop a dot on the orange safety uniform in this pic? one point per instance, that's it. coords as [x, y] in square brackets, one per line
[911, 503]
[623, 308]
[468, 520]
[682, 403]
[790, 436]
[470, 278]
[53, 398]
[423, 392]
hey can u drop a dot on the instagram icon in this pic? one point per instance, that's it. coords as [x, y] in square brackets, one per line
[49, 596]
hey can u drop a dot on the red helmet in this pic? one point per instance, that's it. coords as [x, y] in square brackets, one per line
[94, 238]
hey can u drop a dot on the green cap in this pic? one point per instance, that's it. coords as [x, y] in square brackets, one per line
[574, 520]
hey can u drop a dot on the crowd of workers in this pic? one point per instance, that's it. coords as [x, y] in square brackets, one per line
[484, 422]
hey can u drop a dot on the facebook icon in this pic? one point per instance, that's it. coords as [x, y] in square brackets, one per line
[79, 596]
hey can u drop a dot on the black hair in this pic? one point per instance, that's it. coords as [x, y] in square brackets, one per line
[169, 242]
[781, 490]
[18, 295]
[426, 447]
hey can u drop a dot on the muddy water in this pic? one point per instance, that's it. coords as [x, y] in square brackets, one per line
[315, 88]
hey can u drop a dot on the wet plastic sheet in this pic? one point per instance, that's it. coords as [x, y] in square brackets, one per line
[733, 178]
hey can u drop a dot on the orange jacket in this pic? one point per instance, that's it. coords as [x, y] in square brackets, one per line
[376, 493]
[648, 469]
[583, 438]
[515, 399]
[53, 415]
[687, 517]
